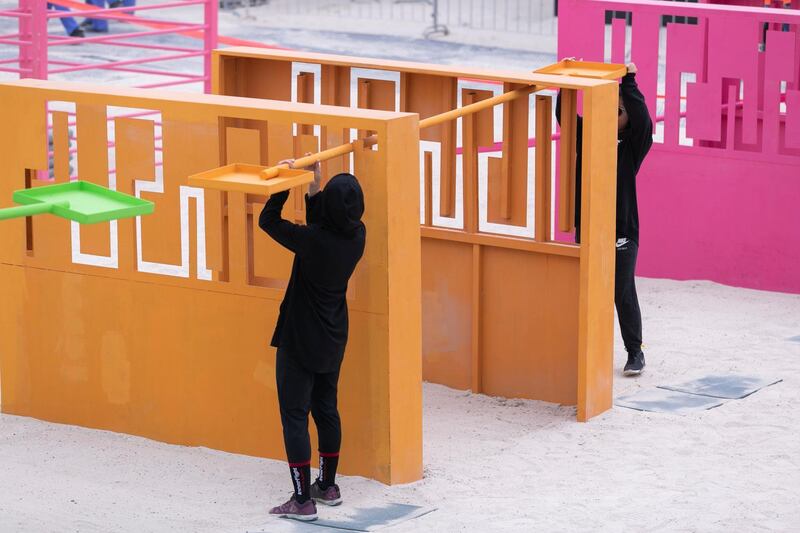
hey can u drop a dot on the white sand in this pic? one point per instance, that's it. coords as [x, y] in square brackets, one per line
[490, 464]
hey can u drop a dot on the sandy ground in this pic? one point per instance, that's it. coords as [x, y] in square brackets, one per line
[491, 464]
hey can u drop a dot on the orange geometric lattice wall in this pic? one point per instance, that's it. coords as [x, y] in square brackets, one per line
[507, 308]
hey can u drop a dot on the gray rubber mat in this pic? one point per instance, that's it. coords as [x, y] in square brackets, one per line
[729, 387]
[667, 401]
[348, 519]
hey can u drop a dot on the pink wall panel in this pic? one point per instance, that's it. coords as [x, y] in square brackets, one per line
[719, 199]
[722, 223]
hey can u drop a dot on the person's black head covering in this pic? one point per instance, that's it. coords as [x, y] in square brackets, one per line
[342, 204]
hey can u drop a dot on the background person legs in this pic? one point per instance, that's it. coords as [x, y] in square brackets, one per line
[625, 298]
[128, 3]
[99, 25]
[70, 26]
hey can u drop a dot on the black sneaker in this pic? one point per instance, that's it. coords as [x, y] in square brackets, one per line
[635, 364]
[77, 32]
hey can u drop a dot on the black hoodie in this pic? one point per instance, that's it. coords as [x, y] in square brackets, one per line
[313, 321]
[633, 144]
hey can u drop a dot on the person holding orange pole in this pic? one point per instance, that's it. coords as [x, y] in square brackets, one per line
[634, 139]
[312, 329]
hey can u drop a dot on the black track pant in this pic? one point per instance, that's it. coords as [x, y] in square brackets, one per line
[301, 391]
[625, 298]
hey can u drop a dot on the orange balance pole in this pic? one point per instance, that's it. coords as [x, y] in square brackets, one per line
[429, 122]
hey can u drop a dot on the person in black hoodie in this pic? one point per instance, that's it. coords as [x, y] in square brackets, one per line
[312, 329]
[635, 137]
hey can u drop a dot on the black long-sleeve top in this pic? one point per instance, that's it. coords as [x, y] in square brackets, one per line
[632, 146]
[313, 322]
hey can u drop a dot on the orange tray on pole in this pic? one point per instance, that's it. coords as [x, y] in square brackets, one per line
[242, 177]
[585, 69]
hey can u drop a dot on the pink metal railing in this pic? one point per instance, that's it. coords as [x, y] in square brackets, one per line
[34, 42]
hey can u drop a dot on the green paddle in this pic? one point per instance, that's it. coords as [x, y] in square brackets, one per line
[80, 201]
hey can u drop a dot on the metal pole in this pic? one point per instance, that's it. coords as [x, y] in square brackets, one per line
[210, 39]
[25, 29]
[33, 30]
[39, 19]
[530, 15]
[541, 16]
[429, 122]
[436, 27]
[471, 23]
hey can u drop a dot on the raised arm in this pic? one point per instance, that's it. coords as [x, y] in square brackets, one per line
[313, 204]
[638, 115]
[294, 237]
[313, 199]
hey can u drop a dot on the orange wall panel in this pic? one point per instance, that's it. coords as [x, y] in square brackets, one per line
[446, 312]
[529, 306]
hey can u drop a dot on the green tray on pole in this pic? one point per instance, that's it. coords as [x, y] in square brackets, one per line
[80, 201]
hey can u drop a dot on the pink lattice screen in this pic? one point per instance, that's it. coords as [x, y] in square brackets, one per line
[719, 192]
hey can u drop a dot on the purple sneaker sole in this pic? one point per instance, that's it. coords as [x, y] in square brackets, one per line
[305, 512]
[330, 503]
[330, 496]
[300, 517]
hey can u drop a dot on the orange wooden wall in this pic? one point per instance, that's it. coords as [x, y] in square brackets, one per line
[178, 358]
[520, 316]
